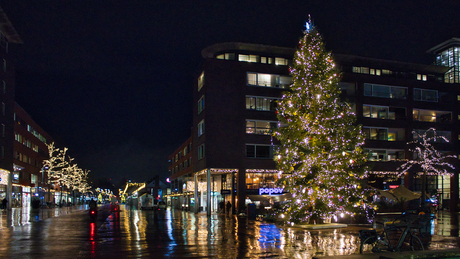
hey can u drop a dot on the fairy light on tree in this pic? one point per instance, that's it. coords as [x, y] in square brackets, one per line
[57, 165]
[427, 158]
[320, 155]
[63, 172]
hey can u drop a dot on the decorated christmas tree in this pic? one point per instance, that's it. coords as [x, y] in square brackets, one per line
[320, 156]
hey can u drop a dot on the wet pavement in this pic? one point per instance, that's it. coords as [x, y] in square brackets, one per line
[70, 233]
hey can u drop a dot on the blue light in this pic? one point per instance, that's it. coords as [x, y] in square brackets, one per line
[307, 26]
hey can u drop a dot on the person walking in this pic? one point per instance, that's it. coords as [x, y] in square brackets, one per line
[4, 203]
[222, 206]
[229, 206]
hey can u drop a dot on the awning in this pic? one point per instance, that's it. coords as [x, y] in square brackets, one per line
[387, 195]
[400, 193]
[258, 198]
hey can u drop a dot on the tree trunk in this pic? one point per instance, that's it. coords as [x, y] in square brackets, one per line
[423, 196]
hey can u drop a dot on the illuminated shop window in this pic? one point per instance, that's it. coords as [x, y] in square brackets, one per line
[261, 180]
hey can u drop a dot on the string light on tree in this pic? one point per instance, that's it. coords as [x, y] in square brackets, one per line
[320, 155]
[428, 159]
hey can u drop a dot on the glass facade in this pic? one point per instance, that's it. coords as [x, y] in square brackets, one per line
[450, 58]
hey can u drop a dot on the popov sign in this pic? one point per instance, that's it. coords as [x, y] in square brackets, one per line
[269, 191]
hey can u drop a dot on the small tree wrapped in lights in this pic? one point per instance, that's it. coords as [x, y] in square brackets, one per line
[427, 158]
[320, 156]
[63, 172]
[57, 165]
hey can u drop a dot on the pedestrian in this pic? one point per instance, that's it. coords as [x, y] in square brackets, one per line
[92, 204]
[222, 206]
[4, 203]
[229, 205]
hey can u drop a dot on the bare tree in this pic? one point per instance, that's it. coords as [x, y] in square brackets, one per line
[56, 166]
[430, 160]
[63, 172]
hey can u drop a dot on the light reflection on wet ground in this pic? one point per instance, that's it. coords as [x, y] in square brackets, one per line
[24, 216]
[178, 234]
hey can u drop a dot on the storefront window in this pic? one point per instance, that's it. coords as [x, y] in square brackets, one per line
[261, 180]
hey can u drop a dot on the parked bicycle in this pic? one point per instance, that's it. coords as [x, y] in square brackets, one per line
[407, 225]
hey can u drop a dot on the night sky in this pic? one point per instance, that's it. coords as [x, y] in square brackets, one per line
[112, 80]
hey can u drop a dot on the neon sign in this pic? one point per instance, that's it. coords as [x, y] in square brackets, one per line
[269, 191]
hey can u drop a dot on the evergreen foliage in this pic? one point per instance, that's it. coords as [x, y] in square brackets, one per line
[320, 156]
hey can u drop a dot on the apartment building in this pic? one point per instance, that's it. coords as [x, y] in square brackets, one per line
[30, 149]
[8, 35]
[235, 96]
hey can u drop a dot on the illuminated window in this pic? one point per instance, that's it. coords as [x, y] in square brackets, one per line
[226, 56]
[248, 58]
[268, 80]
[384, 154]
[281, 61]
[386, 72]
[263, 60]
[384, 112]
[201, 104]
[261, 180]
[201, 81]
[421, 77]
[261, 103]
[33, 179]
[385, 134]
[432, 116]
[201, 128]
[260, 127]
